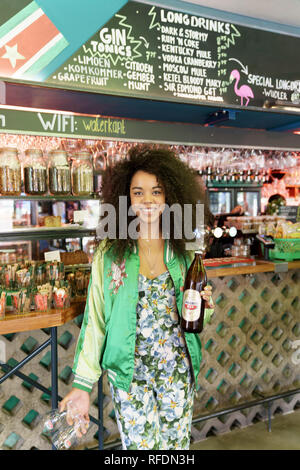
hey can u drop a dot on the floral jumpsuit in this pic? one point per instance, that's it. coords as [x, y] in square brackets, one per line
[156, 413]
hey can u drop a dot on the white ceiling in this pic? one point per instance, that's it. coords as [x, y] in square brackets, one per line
[286, 12]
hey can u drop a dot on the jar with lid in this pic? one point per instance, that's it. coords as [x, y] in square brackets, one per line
[35, 172]
[10, 172]
[82, 174]
[59, 173]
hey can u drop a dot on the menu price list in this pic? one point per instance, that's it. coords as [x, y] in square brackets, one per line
[159, 53]
[154, 50]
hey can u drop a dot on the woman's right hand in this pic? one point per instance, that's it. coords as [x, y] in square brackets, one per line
[80, 401]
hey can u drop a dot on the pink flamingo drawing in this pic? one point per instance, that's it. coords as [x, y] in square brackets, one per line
[244, 91]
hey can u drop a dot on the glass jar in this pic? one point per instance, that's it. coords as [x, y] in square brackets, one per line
[82, 174]
[59, 173]
[10, 172]
[35, 172]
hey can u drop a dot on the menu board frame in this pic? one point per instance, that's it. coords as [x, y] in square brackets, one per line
[158, 53]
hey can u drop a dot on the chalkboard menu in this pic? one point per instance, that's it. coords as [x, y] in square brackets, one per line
[291, 213]
[158, 53]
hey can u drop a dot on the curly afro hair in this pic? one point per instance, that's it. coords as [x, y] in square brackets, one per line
[180, 183]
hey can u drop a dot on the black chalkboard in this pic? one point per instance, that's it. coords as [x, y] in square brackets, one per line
[156, 53]
[291, 213]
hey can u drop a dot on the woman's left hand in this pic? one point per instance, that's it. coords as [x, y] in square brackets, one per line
[206, 294]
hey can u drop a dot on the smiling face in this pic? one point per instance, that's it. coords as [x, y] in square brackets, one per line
[147, 197]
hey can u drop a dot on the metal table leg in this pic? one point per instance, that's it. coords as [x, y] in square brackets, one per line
[52, 342]
[54, 380]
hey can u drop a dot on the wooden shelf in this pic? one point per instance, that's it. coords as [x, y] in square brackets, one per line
[260, 267]
[13, 323]
[294, 264]
[49, 197]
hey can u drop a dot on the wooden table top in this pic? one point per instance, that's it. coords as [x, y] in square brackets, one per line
[13, 323]
[260, 266]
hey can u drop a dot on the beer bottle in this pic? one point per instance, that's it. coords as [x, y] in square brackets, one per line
[193, 305]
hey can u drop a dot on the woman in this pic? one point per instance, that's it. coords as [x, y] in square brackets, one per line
[131, 322]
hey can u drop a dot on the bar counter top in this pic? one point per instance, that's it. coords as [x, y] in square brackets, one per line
[260, 266]
[13, 323]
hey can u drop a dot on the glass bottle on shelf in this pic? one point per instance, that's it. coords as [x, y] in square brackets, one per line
[217, 175]
[249, 176]
[35, 172]
[256, 176]
[209, 174]
[59, 173]
[241, 175]
[225, 176]
[10, 172]
[233, 175]
[82, 174]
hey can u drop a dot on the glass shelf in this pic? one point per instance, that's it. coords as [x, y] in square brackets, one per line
[47, 233]
[233, 184]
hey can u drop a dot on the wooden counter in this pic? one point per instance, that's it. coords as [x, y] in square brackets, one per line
[36, 320]
[261, 266]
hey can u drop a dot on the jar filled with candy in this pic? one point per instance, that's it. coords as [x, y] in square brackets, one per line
[82, 174]
[35, 172]
[10, 172]
[59, 173]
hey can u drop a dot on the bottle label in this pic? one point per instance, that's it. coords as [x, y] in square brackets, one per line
[191, 305]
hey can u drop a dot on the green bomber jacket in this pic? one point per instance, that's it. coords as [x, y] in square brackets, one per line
[108, 331]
